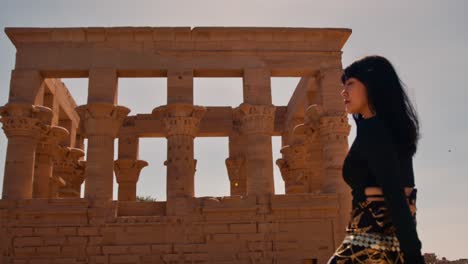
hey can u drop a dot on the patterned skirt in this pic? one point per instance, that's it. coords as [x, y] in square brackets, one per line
[370, 235]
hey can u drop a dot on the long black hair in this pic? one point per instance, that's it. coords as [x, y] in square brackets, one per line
[387, 98]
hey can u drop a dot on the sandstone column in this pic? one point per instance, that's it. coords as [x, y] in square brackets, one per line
[55, 183]
[46, 149]
[257, 123]
[235, 163]
[314, 146]
[294, 169]
[72, 129]
[295, 164]
[256, 118]
[23, 124]
[287, 135]
[236, 172]
[333, 131]
[101, 123]
[128, 167]
[127, 172]
[181, 122]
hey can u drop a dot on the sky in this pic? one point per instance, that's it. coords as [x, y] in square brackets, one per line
[426, 41]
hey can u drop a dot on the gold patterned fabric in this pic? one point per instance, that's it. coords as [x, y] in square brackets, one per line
[370, 235]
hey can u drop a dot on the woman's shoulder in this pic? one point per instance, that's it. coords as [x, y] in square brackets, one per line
[375, 130]
[374, 123]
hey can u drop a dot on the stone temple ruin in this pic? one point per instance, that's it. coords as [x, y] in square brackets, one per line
[45, 219]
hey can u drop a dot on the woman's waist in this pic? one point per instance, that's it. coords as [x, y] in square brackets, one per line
[375, 193]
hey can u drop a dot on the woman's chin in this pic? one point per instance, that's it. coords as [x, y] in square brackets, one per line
[349, 111]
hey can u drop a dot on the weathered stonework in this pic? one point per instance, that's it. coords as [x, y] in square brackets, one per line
[46, 149]
[127, 172]
[44, 217]
[69, 167]
[101, 122]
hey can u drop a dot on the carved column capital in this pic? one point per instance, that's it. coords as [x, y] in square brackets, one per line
[128, 170]
[288, 137]
[49, 140]
[297, 155]
[102, 119]
[23, 125]
[55, 184]
[68, 167]
[234, 165]
[327, 122]
[180, 118]
[334, 126]
[303, 134]
[294, 167]
[67, 159]
[25, 120]
[255, 119]
[78, 174]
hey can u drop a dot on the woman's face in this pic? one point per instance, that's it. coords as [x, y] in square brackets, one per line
[355, 96]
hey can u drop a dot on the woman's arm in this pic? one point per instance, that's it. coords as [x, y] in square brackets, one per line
[383, 162]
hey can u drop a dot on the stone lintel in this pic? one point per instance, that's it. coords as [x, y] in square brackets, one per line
[258, 37]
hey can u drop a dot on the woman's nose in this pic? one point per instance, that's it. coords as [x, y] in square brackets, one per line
[343, 92]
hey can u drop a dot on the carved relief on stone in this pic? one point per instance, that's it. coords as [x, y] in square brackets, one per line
[129, 121]
[102, 119]
[287, 135]
[333, 130]
[334, 127]
[254, 119]
[186, 163]
[78, 175]
[128, 170]
[67, 160]
[312, 116]
[69, 167]
[180, 118]
[72, 188]
[304, 134]
[55, 183]
[25, 120]
[234, 166]
[129, 140]
[328, 122]
[294, 167]
[46, 150]
[50, 138]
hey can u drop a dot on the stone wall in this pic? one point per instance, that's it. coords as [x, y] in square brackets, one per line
[276, 229]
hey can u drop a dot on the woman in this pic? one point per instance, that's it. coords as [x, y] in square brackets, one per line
[379, 167]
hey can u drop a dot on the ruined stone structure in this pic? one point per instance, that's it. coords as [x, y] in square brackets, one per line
[45, 219]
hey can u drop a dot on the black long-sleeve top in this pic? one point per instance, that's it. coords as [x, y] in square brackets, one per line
[373, 160]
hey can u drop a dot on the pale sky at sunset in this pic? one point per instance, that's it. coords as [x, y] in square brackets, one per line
[427, 42]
